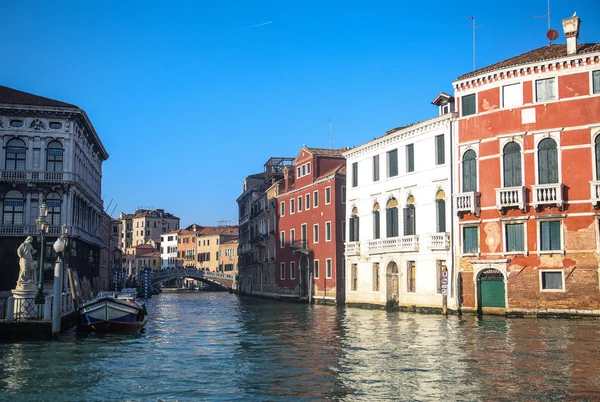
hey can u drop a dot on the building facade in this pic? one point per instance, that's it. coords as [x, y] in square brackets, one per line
[527, 174]
[51, 154]
[168, 247]
[228, 259]
[398, 245]
[208, 244]
[145, 225]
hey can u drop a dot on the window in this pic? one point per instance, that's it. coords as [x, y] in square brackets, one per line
[596, 82]
[392, 162]
[440, 206]
[15, 155]
[315, 233]
[410, 158]
[440, 153]
[547, 162]
[282, 271]
[515, 237]
[343, 194]
[376, 222]
[308, 168]
[470, 240]
[54, 157]
[344, 230]
[545, 90]
[327, 231]
[316, 269]
[376, 168]
[391, 218]
[512, 95]
[354, 276]
[468, 105]
[354, 226]
[300, 204]
[299, 174]
[328, 269]
[282, 208]
[12, 208]
[550, 236]
[409, 219]
[511, 160]
[53, 203]
[315, 199]
[328, 195]
[282, 239]
[307, 203]
[552, 280]
[292, 270]
[376, 277]
[292, 236]
[597, 149]
[355, 174]
[469, 171]
[410, 276]
[292, 206]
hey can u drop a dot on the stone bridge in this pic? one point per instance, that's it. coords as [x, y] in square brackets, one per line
[216, 280]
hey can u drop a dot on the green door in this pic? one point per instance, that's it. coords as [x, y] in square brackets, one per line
[492, 292]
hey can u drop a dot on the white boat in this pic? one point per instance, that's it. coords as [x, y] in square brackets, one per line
[113, 312]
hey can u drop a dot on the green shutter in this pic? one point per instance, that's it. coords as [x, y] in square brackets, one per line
[376, 168]
[389, 224]
[393, 163]
[597, 149]
[410, 157]
[554, 235]
[441, 156]
[355, 174]
[406, 221]
[351, 225]
[356, 224]
[376, 224]
[470, 240]
[468, 104]
[441, 215]
[515, 237]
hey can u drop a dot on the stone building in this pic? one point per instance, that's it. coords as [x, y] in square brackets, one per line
[144, 225]
[50, 154]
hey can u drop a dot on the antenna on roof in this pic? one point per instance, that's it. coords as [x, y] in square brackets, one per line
[330, 135]
[551, 34]
[473, 27]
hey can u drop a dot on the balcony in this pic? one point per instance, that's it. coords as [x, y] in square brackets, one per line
[37, 176]
[595, 193]
[439, 241]
[259, 240]
[353, 248]
[547, 194]
[467, 202]
[510, 197]
[299, 246]
[393, 244]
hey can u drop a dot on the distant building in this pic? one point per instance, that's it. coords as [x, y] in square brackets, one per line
[186, 249]
[168, 246]
[51, 154]
[228, 257]
[208, 243]
[145, 225]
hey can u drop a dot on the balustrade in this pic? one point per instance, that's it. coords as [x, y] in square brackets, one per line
[467, 202]
[548, 194]
[507, 197]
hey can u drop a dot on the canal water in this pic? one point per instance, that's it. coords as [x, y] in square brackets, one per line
[217, 346]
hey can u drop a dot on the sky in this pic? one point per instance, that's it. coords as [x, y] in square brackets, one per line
[191, 97]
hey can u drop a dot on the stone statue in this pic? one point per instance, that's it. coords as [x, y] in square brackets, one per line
[26, 264]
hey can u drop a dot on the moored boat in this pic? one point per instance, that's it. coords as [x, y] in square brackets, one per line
[112, 312]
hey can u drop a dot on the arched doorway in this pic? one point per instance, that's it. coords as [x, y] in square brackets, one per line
[491, 294]
[393, 284]
[303, 276]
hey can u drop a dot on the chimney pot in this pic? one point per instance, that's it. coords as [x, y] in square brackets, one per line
[571, 27]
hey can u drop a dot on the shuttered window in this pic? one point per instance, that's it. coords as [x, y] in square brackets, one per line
[596, 81]
[441, 215]
[468, 105]
[469, 171]
[440, 155]
[597, 149]
[355, 174]
[550, 235]
[410, 158]
[409, 220]
[552, 280]
[545, 90]
[391, 222]
[515, 237]
[376, 168]
[547, 161]
[392, 160]
[512, 164]
[354, 228]
[470, 239]
[376, 225]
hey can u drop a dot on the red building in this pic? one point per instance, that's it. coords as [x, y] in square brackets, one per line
[527, 184]
[310, 227]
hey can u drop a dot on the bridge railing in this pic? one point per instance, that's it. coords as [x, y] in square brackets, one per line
[191, 272]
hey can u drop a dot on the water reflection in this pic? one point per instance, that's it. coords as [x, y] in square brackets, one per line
[217, 346]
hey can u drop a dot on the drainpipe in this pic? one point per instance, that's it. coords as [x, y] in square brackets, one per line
[453, 281]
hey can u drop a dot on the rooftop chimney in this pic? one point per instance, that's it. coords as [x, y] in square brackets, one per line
[571, 29]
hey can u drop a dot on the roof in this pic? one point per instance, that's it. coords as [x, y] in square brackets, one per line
[442, 97]
[219, 230]
[327, 152]
[543, 53]
[15, 97]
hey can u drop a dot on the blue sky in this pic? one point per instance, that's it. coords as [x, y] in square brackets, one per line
[191, 97]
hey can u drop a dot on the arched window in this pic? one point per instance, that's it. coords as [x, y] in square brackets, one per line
[53, 202]
[376, 222]
[391, 218]
[512, 165]
[547, 161]
[54, 157]
[440, 208]
[469, 171]
[354, 225]
[15, 154]
[597, 148]
[409, 217]
[12, 208]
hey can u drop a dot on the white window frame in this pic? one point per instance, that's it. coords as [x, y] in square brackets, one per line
[292, 236]
[463, 151]
[537, 138]
[306, 201]
[282, 239]
[564, 287]
[292, 206]
[327, 188]
[316, 238]
[292, 270]
[502, 98]
[282, 208]
[300, 204]
[504, 238]
[308, 168]
[343, 194]
[592, 82]
[328, 231]
[518, 138]
[539, 235]
[461, 106]
[282, 271]
[535, 99]
[462, 239]
[316, 268]
[328, 268]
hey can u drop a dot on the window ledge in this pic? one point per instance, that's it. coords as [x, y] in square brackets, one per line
[516, 253]
[471, 255]
[553, 290]
[561, 252]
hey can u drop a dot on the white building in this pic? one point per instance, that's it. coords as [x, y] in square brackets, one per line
[399, 230]
[168, 250]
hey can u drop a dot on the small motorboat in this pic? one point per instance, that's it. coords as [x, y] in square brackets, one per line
[113, 312]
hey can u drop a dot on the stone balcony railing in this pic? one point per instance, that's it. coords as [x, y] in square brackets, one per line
[595, 192]
[547, 194]
[439, 241]
[467, 202]
[353, 248]
[510, 197]
[28, 176]
[393, 244]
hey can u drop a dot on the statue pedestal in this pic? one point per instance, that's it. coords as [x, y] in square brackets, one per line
[25, 307]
